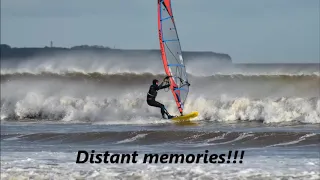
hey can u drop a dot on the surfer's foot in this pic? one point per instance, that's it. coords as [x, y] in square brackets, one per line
[169, 116]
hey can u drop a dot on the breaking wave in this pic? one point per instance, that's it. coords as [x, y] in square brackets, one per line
[83, 73]
[132, 109]
[140, 63]
[133, 75]
[111, 89]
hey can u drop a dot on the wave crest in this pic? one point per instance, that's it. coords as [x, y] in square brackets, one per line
[136, 75]
[132, 108]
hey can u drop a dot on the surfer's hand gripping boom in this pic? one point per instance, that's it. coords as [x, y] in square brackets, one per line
[166, 79]
[166, 82]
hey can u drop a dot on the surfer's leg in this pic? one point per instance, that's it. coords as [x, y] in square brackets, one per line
[159, 105]
[163, 110]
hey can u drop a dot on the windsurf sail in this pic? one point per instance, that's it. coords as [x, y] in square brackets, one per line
[171, 54]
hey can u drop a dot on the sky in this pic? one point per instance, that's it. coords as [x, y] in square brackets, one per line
[261, 31]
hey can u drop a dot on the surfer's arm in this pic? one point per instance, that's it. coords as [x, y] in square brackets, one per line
[161, 86]
[165, 86]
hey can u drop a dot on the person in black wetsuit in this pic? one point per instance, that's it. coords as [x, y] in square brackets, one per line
[152, 94]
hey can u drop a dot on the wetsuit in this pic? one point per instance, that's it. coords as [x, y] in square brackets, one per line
[151, 98]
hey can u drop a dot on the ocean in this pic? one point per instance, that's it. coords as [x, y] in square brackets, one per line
[54, 106]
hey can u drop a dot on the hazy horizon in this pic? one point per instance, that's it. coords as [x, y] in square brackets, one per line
[274, 31]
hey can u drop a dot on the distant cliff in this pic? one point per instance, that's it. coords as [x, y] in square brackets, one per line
[8, 52]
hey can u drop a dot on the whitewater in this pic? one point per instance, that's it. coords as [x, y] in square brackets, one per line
[55, 105]
[90, 88]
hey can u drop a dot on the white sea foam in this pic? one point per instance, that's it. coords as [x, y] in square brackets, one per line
[238, 98]
[49, 165]
[132, 108]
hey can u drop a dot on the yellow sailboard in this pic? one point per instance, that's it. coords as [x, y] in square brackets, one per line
[189, 116]
[172, 59]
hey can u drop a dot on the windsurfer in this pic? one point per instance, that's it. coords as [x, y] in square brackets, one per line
[152, 94]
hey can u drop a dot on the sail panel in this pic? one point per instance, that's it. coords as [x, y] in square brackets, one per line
[171, 53]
